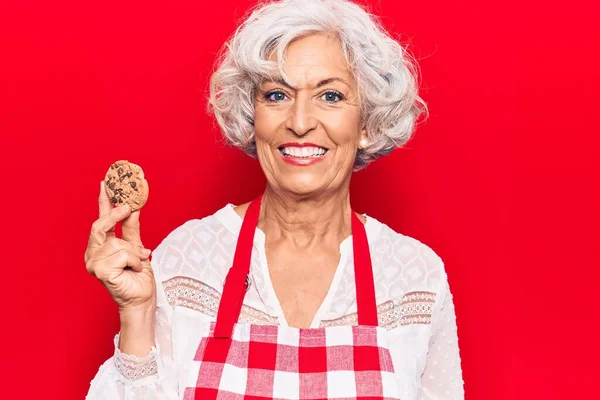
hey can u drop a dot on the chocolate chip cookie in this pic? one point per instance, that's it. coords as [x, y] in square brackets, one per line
[125, 184]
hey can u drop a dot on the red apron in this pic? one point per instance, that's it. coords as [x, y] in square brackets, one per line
[240, 361]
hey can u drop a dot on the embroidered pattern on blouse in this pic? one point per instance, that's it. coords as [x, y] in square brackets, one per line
[196, 295]
[133, 367]
[412, 308]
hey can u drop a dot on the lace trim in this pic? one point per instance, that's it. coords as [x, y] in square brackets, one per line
[196, 295]
[412, 308]
[133, 367]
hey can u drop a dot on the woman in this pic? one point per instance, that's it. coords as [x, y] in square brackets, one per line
[291, 296]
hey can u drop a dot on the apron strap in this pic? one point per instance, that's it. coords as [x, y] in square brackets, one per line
[235, 289]
[235, 282]
[363, 275]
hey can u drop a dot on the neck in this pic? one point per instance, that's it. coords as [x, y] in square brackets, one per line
[315, 220]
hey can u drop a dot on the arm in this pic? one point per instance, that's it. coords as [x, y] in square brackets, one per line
[137, 369]
[442, 377]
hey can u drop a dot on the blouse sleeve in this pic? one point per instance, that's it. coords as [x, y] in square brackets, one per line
[442, 376]
[152, 377]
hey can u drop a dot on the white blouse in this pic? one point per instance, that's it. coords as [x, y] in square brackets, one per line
[190, 265]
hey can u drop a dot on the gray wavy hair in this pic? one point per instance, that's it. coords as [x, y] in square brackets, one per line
[385, 73]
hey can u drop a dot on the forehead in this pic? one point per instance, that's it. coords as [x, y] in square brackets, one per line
[315, 57]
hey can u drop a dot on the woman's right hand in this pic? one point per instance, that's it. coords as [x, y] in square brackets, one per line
[122, 265]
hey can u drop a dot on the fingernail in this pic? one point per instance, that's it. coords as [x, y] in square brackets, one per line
[146, 252]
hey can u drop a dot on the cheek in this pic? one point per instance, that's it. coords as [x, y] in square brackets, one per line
[344, 129]
[265, 124]
[265, 130]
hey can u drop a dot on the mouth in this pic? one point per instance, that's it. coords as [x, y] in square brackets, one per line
[302, 153]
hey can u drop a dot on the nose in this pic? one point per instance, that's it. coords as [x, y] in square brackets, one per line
[301, 119]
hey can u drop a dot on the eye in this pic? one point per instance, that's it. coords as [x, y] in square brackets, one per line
[332, 96]
[275, 96]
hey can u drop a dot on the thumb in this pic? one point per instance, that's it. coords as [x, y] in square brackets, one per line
[131, 228]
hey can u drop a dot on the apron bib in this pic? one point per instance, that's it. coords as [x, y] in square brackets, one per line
[238, 361]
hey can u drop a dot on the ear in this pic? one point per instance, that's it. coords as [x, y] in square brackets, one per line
[364, 139]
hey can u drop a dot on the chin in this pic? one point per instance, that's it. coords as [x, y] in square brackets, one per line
[303, 185]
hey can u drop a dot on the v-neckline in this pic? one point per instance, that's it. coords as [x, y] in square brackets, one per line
[333, 286]
[260, 241]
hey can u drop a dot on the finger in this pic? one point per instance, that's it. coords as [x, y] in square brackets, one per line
[132, 261]
[106, 269]
[104, 204]
[104, 227]
[116, 244]
[131, 228]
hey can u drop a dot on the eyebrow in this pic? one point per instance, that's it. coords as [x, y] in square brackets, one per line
[320, 84]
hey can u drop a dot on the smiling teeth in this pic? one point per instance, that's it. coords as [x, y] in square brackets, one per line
[303, 151]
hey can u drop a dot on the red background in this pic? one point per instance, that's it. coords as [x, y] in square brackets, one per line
[501, 181]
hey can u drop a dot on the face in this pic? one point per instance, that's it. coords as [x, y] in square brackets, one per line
[307, 135]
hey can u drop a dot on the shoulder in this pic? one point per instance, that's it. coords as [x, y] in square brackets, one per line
[198, 248]
[403, 264]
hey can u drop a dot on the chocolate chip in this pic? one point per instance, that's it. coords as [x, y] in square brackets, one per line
[132, 184]
[129, 174]
[120, 171]
[113, 200]
[111, 186]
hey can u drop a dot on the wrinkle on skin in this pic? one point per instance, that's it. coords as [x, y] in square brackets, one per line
[309, 205]
[305, 211]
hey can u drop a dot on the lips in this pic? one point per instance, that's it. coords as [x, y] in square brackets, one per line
[302, 153]
[302, 150]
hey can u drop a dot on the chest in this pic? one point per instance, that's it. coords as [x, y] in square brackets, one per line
[301, 281]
